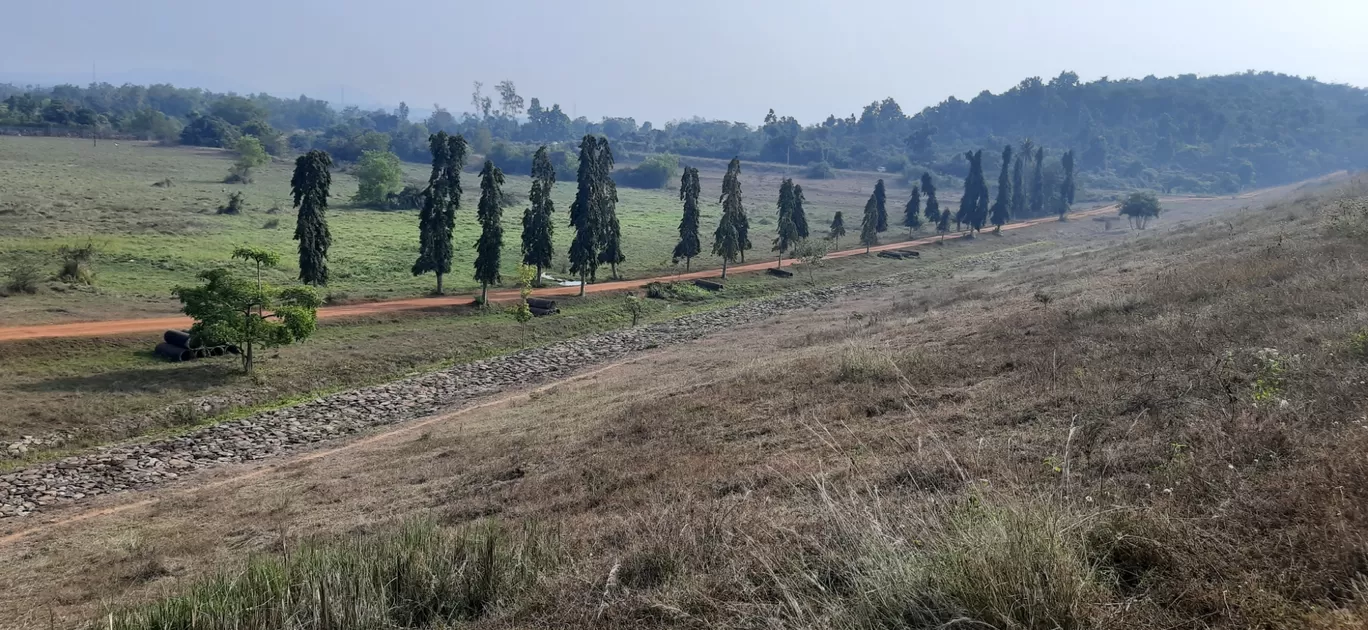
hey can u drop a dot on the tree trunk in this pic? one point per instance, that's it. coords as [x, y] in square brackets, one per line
[686, 264]
[439, 283]
[484, 294]
[779, 264]
[582, 284]
[614, 267]
[539, 275]
[724, 268]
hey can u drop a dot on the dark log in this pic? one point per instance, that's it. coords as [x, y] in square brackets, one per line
[782, 273]
[216, 351]
[542, 303]
[892, 255]
[178, 338]
[709, 285]
[174, 353]
[542, 312]
[232, 349]
[909, 253]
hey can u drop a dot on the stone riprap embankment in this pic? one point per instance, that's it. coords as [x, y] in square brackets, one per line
[268, 434]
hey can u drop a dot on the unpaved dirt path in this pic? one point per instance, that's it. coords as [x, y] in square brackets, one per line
[158, 324]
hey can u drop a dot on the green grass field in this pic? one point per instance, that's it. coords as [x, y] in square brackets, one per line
[59, 191]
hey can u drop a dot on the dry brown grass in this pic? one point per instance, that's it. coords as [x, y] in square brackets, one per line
[954, 455]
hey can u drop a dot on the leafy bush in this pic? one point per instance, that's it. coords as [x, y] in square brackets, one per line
[378, 177]
[76, 264]
[250, 155]
[657, 171]
[676, 291]
[820, 170]
[235, 204]
[410, 198]
[23, 278]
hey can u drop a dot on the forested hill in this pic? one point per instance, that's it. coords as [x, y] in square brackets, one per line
[1266, 128]
[1190, 134]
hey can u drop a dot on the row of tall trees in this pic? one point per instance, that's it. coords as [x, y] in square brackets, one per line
[593, 214]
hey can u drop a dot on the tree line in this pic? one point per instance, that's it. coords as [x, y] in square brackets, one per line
[1187, 133]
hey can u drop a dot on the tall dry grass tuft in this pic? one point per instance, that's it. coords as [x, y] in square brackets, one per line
[415, 577]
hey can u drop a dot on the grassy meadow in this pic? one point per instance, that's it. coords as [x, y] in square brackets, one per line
[58, 192]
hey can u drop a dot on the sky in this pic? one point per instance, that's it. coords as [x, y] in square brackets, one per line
[661, 61]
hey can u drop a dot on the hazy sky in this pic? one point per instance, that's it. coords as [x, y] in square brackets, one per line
[663, 60]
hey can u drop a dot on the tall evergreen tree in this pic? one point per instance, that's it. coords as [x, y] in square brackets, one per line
[869, 226]
[490, 244]
[969, 198]
[1051, 191]
[943, 224]
[729, 240]
[1018, 186]
[837, 228]
[1002, 206]
[787, 233]
[1067, 189]
[974, 204]
[584, 215]
[611, 240]
[928, 186]
[537, 249]
[1038, 185]
[312, 177]
[441, 200]
[881, 200]
[912, 213]
[799, 215]
[689, 245]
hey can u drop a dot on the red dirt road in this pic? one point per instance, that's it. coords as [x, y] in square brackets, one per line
[158, 324]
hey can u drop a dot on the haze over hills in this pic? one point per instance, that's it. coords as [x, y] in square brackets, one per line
[1191, 134]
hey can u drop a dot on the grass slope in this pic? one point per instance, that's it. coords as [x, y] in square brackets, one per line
[1173, 440]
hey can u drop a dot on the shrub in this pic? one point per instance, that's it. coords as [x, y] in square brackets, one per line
[23, 278]
[678, 291]
[1349, 217]
[250, 155]
[235, 204]
[76, 264]
[410, 198]
[657, 171]
[820, 170]
[416, 577]
[378, 176]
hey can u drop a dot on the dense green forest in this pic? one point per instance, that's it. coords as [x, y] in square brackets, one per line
[1187, 133]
